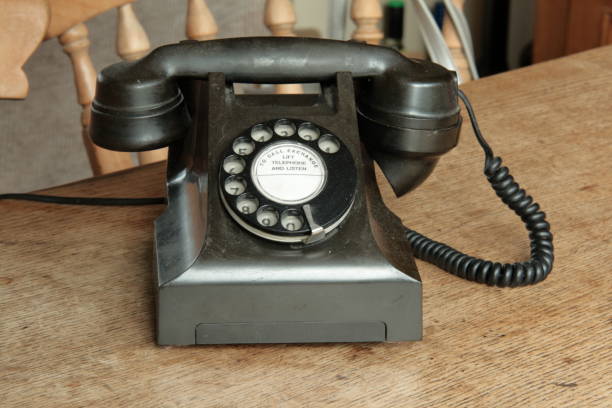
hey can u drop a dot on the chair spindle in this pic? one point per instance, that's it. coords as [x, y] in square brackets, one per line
[279, 17]
[367, 15]
[200, 23]
[132, 42]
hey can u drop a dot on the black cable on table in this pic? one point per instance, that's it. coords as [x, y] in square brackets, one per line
[100, 201]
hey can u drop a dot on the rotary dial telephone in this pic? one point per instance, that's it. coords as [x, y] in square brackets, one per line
[275, 230]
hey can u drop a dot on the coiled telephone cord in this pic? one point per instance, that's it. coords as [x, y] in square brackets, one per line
[494, 273]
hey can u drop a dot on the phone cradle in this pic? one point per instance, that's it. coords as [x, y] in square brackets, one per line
[217, 283]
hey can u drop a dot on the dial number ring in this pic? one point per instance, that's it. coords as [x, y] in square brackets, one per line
[324, 179]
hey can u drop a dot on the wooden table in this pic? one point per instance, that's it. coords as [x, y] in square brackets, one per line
[76, 325]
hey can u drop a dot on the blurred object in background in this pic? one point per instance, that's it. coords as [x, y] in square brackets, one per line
[450, 45]
[394, 24]
[495, 38]
[437, 49]
[520, 33]
[438, 13]
[336, 21]
[458, 37]
[502, 33]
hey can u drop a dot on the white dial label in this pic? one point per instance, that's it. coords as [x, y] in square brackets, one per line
[289, 173]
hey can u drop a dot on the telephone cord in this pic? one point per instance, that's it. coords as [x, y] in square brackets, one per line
[98, 201]
[494, 273]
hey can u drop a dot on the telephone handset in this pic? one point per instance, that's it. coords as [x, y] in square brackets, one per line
[407, 108]
[275, 230]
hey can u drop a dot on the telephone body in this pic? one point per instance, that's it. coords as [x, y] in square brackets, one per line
[275, 230]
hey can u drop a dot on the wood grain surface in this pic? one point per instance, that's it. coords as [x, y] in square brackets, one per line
[76, 322]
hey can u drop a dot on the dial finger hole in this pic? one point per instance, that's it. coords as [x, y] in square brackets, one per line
[308, 132]
[329, 144]
[247, 203]
[267, 216]
[243, 146]
[233, 164]
[235, 185]
[291, 220]
[284, 128]
[261, 133]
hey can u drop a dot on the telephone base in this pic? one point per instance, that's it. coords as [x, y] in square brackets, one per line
[217, 283]
[311, 311]
[360, 285]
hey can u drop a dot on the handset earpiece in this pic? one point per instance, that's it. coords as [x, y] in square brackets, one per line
[137, 109]
[408, 119]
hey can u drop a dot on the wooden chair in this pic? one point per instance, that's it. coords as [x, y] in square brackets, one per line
[132, 43]
[65, 19]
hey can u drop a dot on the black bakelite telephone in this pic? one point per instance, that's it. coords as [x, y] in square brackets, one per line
[275, 230]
